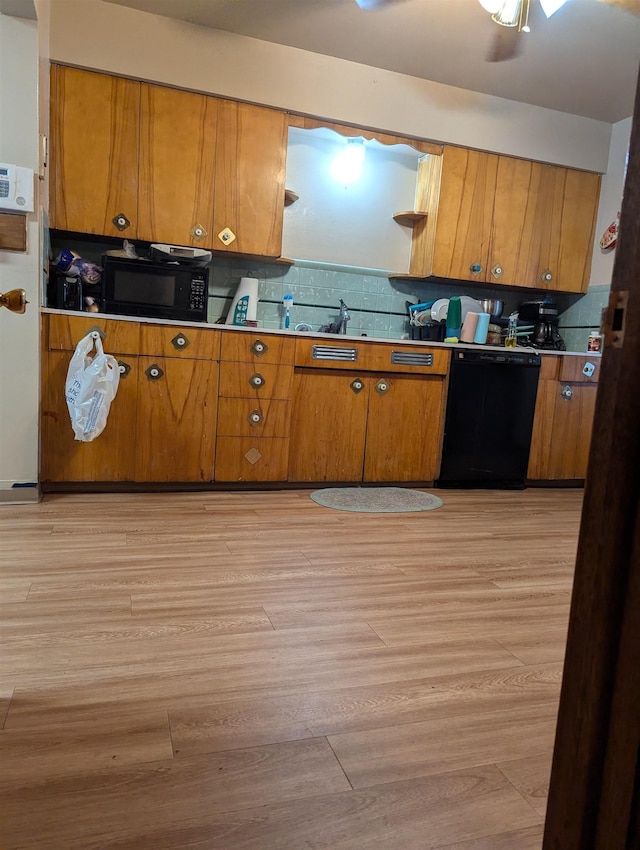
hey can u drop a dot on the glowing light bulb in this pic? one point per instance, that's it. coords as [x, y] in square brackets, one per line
[347, 166]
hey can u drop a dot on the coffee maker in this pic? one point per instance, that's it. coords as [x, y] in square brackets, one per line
[543, 315]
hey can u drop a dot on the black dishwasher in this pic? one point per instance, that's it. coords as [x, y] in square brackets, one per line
[489, 420]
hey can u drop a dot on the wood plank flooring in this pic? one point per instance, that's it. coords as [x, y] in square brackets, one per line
[252, 671]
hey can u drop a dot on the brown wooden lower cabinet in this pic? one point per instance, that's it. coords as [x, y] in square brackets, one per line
[254, 411]
[328, 425]
[176, 422]
[351, 426]
[112, 455]
[404, 428]
[252, 459]
[253, 442]
[162, 423]
[563, 421]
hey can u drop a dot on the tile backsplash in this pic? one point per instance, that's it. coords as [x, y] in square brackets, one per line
[581, 314]
[376, 304]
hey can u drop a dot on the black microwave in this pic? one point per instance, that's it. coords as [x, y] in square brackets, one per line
[155, 290]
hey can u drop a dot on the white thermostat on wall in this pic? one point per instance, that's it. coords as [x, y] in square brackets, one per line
[16, 188]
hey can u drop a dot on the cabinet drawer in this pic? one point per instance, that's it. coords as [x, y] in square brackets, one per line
[371, 357]
[252, 459]
[246, 347]
[247, 417]
[65, 332]
[572, 369]
[253, 381]
[173, 341]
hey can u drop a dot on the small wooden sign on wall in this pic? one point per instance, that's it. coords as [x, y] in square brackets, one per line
[13, 232]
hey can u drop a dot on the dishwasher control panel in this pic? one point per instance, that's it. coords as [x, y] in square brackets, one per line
[508, 358]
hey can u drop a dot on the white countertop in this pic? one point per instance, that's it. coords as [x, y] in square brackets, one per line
[337, 337]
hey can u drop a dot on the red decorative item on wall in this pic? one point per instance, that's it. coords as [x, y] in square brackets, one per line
[610, 236]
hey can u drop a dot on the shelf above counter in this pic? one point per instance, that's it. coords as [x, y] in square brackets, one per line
[409, 217]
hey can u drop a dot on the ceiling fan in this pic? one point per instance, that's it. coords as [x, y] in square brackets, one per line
[513, 13]
[513, 18]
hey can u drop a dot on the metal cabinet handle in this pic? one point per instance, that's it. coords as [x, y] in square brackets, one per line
[198, 231]
[566, 393]
[357, 385]
[257, 381]
[154, 372]
[382, 386]
[497, 270]
[259, 348]
[120, 221]
[546, 276]
[123, 368]
[475, 268]
[255, 417]
[180, 341]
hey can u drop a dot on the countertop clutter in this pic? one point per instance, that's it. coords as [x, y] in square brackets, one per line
[307, 334]
[218, 406]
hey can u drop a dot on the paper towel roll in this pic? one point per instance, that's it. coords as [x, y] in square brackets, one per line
[245, 302]
[469, 325]
[482, 328]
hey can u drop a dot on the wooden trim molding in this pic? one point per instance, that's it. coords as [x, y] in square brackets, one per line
[352, 130]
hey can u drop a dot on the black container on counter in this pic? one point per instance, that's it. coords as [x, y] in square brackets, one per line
[431, 331]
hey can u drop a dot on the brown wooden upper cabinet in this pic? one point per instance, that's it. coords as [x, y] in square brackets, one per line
[251, 154]
[94, 152]
[507, 221]
[165, 165]
[177, 159]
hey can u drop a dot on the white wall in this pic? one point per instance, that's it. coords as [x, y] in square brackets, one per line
[351, 224]
[610, 201]
[104, 36]
[19, 334]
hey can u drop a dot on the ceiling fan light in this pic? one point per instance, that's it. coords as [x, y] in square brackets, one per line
[508, 15]
[491, 6]
[550, 7]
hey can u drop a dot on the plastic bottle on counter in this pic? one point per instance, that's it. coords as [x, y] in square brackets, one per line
[511, 340]
[595, 341]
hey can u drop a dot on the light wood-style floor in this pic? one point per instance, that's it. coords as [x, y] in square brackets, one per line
[251, 671]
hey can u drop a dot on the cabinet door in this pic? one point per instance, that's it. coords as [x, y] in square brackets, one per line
[465, 210]
[94, 152]
[572, 427]
[525, 231]
[328, 424]
[404, 429]
[111, 456]
[176, 425]
[562, 430]
[177, 153]
[249, 179]
[579, 210]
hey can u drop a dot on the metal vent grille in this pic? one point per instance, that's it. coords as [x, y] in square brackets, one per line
[408, 358]
[332, 352]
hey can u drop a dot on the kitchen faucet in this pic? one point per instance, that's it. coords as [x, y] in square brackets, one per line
[344, 318]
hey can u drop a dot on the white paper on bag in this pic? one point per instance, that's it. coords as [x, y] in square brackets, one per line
[91, 387]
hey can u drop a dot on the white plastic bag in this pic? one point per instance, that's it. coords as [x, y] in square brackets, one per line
[91, 386]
